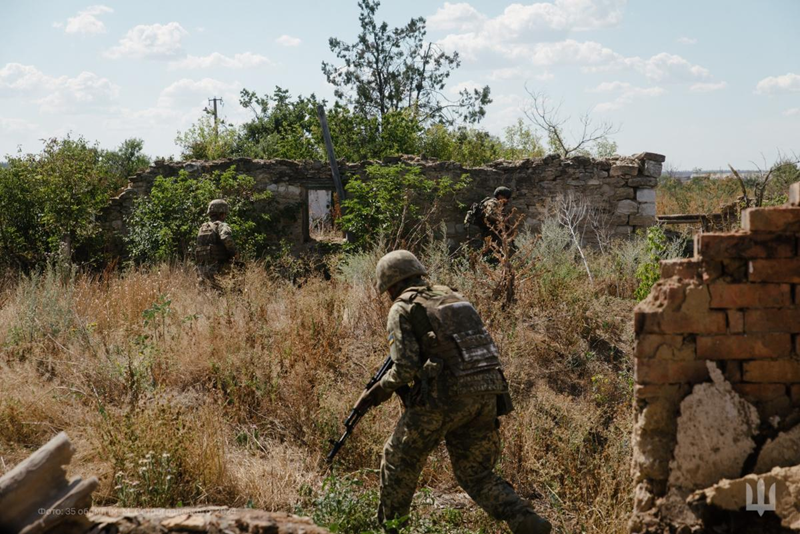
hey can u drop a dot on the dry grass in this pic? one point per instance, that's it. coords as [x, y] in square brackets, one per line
[231, 399]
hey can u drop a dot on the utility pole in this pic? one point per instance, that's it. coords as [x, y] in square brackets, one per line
[214, 101]
[337, 179]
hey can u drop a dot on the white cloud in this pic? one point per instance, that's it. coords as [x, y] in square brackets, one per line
[74, 94]
[57, 94]
[792, 112]
[665, 67]
[469, 85]
[461, 17]
[86, 21]
[788, 83]
[288, 40]
[16, 125]
[520, 73]
[238, 61]
[156, 41]
[708, 87]
[686, 40]
[626, 93]
[188, 92]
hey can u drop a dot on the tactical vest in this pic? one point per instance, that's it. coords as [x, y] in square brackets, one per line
[210, 249]
[457, 337]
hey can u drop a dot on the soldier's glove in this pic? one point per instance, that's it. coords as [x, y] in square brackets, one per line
[375, 396]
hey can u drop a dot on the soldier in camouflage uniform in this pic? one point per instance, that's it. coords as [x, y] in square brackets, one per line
[491, 216]
[448, 374]
[215, 249]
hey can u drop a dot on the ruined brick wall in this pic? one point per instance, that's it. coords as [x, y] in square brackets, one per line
[623, 188]
[734, 306]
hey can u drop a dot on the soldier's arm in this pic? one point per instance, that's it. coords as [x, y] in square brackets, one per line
[403, 348]
[226, 236]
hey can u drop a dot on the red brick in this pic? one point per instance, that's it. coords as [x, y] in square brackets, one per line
[682, 268]
[721, 246]
[733, 371]
[676, 322]
[712, 270]
[750, 295]
[771, 371]
[782, 320]
[777, 219]
[735, 270]
[664, 347]
[744, 347]
[760, 392]
[775, 270]
[794, 394]
[670, 392]
[735, 321]
[794, 194]
[669, 372]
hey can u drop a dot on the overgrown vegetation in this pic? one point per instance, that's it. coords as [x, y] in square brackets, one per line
[49, 201]
[164, 225]
[394, 204]
[175, 396]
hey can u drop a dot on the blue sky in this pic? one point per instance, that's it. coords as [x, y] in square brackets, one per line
[705, 82]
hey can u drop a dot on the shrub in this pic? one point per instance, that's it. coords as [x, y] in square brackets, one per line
[659, 247]
[49, 204]
[164, 225]
[394, 203]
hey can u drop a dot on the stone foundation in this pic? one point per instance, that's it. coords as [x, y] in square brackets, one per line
[621, 189]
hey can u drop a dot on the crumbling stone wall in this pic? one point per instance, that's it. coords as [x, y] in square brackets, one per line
[732, 312]
[622, 188]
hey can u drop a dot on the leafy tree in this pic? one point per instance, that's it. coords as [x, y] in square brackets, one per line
[164, 225]
[281, 128]
[49, 203]
[394, 203]
[206, 140]
[390, 69]
[126, 160]
[521, 142]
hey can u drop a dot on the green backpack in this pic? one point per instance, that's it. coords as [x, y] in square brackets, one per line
[475, 213]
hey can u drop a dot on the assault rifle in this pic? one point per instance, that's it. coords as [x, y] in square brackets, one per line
[355, 416]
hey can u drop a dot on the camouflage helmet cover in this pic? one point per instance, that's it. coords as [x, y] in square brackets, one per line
[503, 191]
[217, 207]
[395, 267]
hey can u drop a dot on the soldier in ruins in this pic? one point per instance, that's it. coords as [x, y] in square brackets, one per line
[489, 216]
[215, 251]
[447, 372]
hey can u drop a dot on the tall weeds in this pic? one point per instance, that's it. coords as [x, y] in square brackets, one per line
[179, 396]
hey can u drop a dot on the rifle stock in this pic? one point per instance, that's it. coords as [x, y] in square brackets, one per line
[355, 416]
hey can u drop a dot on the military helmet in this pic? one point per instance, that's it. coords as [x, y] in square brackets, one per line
[503, 191]
[395, 267]
[218, 207]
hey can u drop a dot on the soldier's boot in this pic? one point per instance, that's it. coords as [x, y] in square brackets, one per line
[529, 523]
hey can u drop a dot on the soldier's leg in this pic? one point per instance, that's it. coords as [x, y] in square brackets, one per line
[474, 449]
[417, 433]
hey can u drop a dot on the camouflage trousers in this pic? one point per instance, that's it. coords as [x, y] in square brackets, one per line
[219, 278]
[469, 428]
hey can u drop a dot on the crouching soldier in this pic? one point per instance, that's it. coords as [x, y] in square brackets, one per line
[216, 250]
[448, 374]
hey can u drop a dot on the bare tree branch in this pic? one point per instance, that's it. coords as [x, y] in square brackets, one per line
[548, 118]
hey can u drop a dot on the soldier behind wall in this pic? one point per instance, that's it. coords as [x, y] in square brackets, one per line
[216, 249]
[489, 217]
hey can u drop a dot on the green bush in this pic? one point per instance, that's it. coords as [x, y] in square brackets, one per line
[393, 203]
[659, 247]
[50, 202]
[164, 225]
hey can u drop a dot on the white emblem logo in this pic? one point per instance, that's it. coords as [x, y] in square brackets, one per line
[760, 505]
